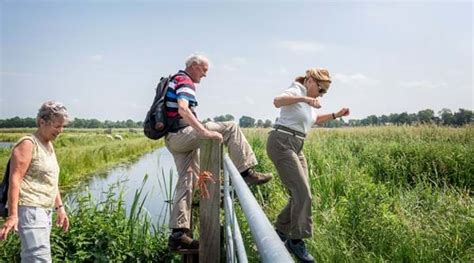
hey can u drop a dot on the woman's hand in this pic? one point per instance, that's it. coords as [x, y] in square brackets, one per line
[313, 102]
[342, 112]
[62, 220]
[12, 222]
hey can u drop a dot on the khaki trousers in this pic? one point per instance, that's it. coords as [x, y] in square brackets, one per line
[286, 153]
[184, 146]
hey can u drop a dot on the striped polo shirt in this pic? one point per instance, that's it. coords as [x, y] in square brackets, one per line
[181, 87]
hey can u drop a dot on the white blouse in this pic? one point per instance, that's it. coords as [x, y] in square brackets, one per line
[299, 116]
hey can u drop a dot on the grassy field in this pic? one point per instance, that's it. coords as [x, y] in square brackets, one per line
[81, 152]
[400, 194]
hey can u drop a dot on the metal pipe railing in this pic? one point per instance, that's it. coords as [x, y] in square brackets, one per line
[269, 245]
[228, 211]
[239, 243]
[235, 242]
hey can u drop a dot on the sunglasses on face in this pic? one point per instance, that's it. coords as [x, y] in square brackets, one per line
[322, 90]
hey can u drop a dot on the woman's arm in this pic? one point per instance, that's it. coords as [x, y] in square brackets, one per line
[21, 158]
[327, 117]
[62, 219]
[285, 100]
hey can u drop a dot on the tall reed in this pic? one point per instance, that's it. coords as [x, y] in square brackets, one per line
[382, 194]
[103, 231]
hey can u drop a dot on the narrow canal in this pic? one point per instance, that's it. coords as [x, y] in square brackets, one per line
[158, 166]
[159, 169]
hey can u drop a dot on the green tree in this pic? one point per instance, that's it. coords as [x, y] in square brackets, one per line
[383, 119]
[222, 118]
[229, 117]
[426, 116]
[267, 124]
[462, 117]
[246, 122]
[394, 118]
[404, 118]
[447, 116]
[130, 124]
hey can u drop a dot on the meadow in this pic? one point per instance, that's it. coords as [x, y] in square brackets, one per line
[82, 152]
[402, 194]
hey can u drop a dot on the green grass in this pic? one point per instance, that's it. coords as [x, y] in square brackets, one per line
[103, 232]
[383, 194]
[83, 152]
[401, 194]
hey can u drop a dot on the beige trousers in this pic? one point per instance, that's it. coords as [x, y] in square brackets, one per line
[286, 153]
[184, 146]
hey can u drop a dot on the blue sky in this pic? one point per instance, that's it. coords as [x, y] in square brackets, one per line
[103, 58]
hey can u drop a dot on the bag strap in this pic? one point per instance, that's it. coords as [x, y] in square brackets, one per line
[5, 184]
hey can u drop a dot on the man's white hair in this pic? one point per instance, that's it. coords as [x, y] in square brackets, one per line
[196, 58]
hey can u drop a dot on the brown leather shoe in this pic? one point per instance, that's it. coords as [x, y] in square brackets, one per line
[181, 240]
[256, 178]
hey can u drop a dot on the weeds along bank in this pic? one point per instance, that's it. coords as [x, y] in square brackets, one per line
[383, 193]
[100, 231]
[81, 152]
[103, 232]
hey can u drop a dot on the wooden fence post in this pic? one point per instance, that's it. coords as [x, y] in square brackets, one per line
[209, 208]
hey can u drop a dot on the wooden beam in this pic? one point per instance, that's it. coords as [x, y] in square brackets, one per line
[210, 238]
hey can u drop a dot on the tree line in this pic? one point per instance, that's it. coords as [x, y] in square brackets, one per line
[444, 117]
[18, 122]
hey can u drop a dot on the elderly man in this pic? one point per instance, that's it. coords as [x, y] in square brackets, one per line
[183, 143]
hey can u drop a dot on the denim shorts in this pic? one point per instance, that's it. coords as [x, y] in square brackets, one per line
[34, 228]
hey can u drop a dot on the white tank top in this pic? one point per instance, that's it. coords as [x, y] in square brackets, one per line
[40, 184]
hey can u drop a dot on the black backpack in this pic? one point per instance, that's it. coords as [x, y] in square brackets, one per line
[157, 112]
[4, 191]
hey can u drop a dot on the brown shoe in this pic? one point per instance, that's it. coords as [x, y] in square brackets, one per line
[256, 178]
[181, 240]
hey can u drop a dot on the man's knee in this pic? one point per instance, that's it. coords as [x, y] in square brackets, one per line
[222, 126]
[230, 125]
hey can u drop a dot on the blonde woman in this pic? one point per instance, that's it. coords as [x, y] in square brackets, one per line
[297, 107]
[33, 190]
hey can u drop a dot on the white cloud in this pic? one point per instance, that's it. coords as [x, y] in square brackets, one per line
[424, 84]
[234, 64]
[239, 60]
[19, 74]
[301, 46]
[96, 58]
[249, 101]
[283, 70]
[354, 79]
[228, 67]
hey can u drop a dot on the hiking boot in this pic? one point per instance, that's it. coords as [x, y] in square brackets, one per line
[299, 250]
[256, 178]
[281, 235]
[181, 240]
